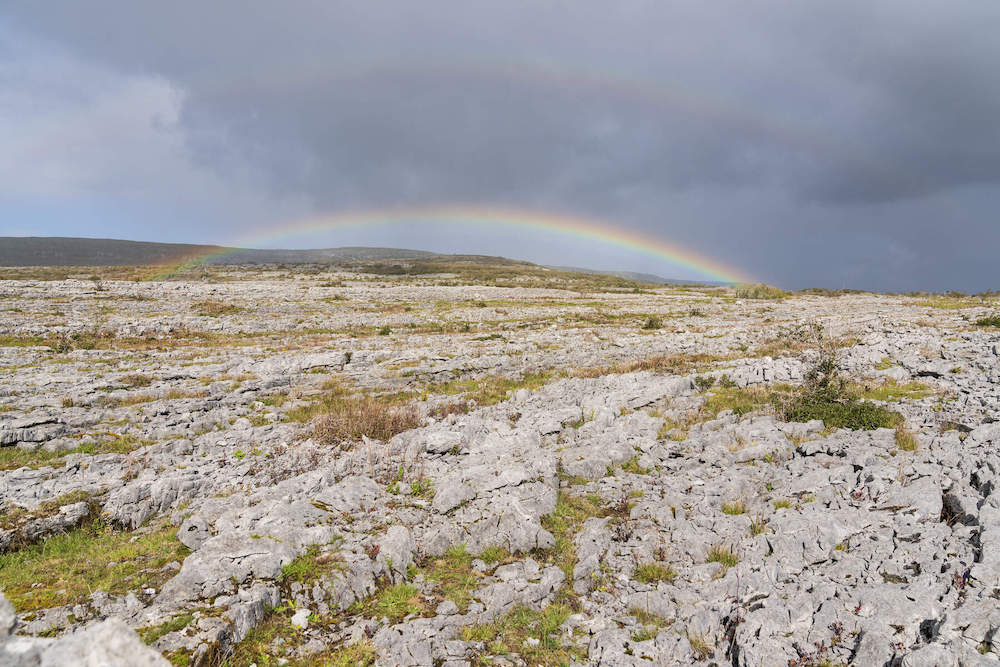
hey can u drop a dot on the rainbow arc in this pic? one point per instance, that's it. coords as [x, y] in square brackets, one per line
[577, 227]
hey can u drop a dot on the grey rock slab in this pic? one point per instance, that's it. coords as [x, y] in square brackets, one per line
[223, 560]
[109, 643]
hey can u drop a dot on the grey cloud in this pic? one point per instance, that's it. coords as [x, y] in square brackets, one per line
[826, 117]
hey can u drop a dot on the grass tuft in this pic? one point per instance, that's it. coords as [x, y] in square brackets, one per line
[734, 508]
[905, 440]
[651, 573]
[723, 555]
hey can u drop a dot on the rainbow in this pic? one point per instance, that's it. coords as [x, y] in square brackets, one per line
[576, 227]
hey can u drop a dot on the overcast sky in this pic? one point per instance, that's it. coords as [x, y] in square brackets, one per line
[805, 143]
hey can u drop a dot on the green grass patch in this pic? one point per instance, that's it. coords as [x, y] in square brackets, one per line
[72, 565]
[310, 566]
[260, 648]
[893, 391]
[885, 364]
[632, 466]
[991, 321]
[491, 555]
[399, 601]
[12, 457]
[493, 390]
[565, 522]
[508, 636]
[152, 633]
[453, 575]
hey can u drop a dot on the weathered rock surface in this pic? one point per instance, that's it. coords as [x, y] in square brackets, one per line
[654, 528]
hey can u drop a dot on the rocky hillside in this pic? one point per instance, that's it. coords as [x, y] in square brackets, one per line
[330, 468]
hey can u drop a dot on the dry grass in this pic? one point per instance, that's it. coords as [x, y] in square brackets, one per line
[133, 380]
[215, 308]
[673, 364]
[447, 409]
[347, 418]
[905, 440]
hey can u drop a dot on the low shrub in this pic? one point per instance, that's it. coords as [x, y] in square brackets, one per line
[851, 414]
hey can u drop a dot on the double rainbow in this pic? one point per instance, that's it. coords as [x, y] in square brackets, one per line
[581, 228]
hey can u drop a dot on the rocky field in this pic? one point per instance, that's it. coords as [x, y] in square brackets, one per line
[281, 466]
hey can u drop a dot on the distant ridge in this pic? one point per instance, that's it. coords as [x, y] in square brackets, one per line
[67, 251]
[18, 251]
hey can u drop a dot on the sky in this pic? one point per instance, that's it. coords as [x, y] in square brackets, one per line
[809, 143]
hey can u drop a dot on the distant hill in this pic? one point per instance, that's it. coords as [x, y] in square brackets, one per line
[67, 251]
[63, 251]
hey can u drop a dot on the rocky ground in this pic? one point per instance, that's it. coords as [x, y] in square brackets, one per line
[310, 467]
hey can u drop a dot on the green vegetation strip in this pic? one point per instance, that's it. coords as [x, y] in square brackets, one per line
[67, 568]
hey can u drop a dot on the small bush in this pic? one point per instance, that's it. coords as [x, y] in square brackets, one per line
[827, 396]
[856, 415]
[704, 382]
[991, 321]
[652, 322]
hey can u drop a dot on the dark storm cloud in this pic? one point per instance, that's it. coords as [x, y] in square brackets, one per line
[775, 126]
